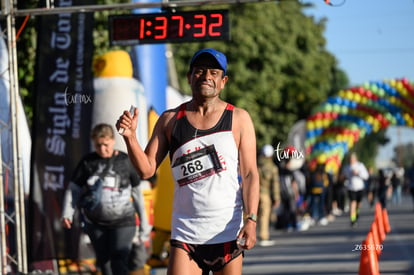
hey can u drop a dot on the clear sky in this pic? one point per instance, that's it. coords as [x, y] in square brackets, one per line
[372, 40]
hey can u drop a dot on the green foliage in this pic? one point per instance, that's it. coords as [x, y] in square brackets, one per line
[26, 56]
[404, 155]
[367, 147]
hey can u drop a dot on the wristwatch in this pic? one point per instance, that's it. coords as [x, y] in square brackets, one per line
[252, 217]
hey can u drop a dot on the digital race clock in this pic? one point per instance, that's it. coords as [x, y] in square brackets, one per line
[169, 27]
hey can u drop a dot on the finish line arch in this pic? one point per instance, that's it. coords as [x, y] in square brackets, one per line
[337, 124]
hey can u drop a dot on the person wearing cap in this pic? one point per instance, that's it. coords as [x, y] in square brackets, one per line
[269, 192]
[212, 150]
[318, 185]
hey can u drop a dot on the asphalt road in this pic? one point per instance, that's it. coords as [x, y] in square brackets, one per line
[333, 249]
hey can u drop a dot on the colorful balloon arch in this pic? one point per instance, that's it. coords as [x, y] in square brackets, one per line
[337, 124]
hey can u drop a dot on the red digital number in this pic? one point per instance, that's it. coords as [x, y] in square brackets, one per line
[162, 28]
[141, 28]
[219, 23]
[201, 26]
[180, 24]
[169, 27]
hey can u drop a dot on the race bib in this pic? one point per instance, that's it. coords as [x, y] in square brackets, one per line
[109, 182]
[196, 165]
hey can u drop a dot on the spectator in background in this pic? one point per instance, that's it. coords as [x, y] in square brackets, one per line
[397, 181]
[319, 183]
[372, 186]
[356, 174]
[289, 191]
[384, 186]
[329, 196]
[102, 186]
[339, 195]
[269, 192]
[410, 178]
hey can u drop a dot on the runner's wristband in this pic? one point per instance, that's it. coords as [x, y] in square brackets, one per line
[252, 217]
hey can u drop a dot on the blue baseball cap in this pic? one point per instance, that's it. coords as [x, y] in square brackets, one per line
[218, 56]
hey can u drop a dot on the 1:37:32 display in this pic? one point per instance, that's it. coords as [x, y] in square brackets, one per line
[169, 27]
[200, 25]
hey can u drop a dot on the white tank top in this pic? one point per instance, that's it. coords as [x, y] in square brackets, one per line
[207, 206]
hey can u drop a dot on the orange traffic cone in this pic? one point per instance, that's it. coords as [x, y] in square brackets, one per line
[381, 231]
[368, 263]
[378, 209]
[387, 227]
[380, 221]
[376, 242]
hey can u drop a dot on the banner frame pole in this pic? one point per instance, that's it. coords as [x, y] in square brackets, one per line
[18, 192]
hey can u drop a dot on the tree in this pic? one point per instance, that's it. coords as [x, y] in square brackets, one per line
[26, 56]
[368, 146]
[403, 154]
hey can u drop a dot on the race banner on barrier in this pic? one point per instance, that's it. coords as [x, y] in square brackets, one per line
[61, 125]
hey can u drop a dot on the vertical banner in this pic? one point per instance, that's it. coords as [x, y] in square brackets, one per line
[61, 125]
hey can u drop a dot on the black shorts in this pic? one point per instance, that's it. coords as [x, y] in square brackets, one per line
[355, 195]
[211, 257]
